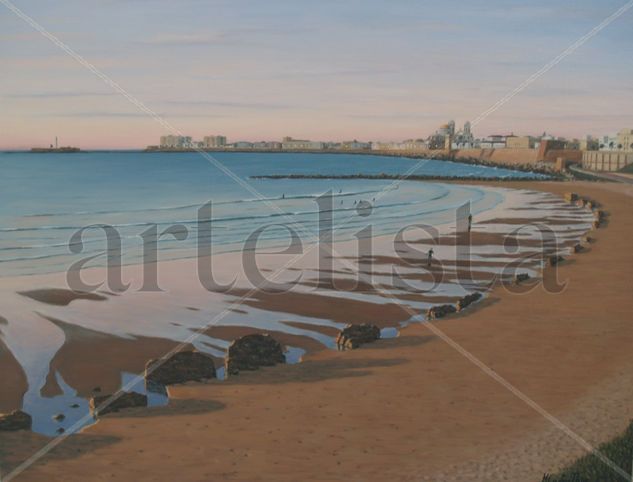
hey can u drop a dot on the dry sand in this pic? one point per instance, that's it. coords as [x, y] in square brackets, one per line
[410, 408]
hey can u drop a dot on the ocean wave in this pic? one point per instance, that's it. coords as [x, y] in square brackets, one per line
[198, 204]
[194, 221]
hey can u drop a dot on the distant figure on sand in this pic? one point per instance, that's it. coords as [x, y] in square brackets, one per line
[430, 258]
[283, 196]
[470, 222]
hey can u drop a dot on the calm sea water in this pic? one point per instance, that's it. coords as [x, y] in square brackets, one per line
[48, 197]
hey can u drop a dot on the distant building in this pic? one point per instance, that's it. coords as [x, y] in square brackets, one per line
[589, 144]
[495, 141]
[243, 145]
[464, 139]
[355, 146]
[625, 139]
[175, 142]
[521, 142]
[211, 142]
[291, 144]
[622, 141]
[265, 145]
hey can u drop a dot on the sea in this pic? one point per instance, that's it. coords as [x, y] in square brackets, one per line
[55, 206]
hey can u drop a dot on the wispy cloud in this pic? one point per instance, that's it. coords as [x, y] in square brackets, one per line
[186, 40]
[127, 115]
[57, 95]
[232, 104]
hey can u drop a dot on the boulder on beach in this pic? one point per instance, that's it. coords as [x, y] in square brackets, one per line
[180, 367]
[554, 260]
[578, 248]
[521, 277]
[253, 351]
[571, 197]
[439, 311]
[468, 300]
[124, 400]
[16, 420]
[353, 336]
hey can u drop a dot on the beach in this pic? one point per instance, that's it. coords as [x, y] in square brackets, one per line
[407, 408]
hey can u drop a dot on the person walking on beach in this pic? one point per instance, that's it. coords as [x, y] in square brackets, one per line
[430, 258]
[470, 222]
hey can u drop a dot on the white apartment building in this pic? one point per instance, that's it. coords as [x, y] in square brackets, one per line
[211, 142]
[291, 144]
[176, 142]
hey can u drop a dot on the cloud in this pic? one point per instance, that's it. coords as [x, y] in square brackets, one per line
[58, 95]
[185, 39]
[231, 104]
[132, 115]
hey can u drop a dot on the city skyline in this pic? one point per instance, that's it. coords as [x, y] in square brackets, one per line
[371, 70]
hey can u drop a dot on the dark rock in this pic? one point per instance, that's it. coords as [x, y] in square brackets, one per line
[596, 224]
[555, 259]
[353, 336]
[59, 417]
[571, 197]
[521, 277]
[74, 405]
[181, 367]
[253, 351]
[578, 248]
[17, 420]
[468, 300]
[125, 400]
[97, 389]
[60, 430]
[587, 239]
[439, 311]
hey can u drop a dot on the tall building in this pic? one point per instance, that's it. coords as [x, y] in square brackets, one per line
[175, 142]
[211, 142]
[464, 139]
[625, 140]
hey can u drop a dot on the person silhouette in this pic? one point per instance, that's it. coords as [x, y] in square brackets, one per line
[430, 258]
[470, 222]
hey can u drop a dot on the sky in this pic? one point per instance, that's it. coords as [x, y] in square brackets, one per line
[320, 70]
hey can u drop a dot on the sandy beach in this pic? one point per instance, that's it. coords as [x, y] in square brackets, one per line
[408, 408]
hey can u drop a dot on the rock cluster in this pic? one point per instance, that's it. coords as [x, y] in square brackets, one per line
[251, 352]
[353, 336]
[439, 311]
[181, 367]
[125, 400]
[467, 301]
[17, 420]
[521, 277]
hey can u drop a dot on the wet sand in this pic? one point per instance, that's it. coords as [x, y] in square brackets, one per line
[12, 379]
[400, 409]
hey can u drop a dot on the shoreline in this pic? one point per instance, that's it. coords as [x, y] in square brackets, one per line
[407, 347]
[348, 300]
